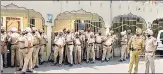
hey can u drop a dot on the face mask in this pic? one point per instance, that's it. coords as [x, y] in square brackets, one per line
[68, 32]
[33, 32]
[2, 31]
[99, 33]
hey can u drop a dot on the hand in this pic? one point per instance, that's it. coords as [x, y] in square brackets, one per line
[153, 54]
[27, 51]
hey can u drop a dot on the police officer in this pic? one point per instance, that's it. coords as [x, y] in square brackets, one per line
[4, 50]
[98, 39]
[36, 46]
[77, 50]
[150, 49]
[59, 48]
[90, 50]
[82, 38]
[135, 47]
[44, 40]
[14, 46]
[29, 51]
[70, 47]
[21, 43]
[107, 46]
[129, 35]
[123, 46]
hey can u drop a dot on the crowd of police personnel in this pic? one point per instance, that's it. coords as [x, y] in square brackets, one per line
[75, 47]
[26, 48]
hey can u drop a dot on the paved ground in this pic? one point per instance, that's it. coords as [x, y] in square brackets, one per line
[113, 66]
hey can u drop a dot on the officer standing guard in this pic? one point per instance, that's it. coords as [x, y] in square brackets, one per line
[36, 46]
[150, 49]
[123, 46]
[90, 50]
[82, 38]
[77, 50]
[107, 46]
[44, 40]
[129, 35]
[98, 43]
[22, 49]
[59, 48]
[70, 47]
[14, 46]
[29, 51]
[4, 50]
[135, 47]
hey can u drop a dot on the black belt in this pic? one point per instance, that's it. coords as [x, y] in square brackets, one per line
[23, 48]
[78, 45]
[69, 44]
[107, 45]
[90, 44]
[98, 43]
[14, 44]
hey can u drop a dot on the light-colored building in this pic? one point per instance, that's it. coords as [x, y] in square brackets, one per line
[104, 9]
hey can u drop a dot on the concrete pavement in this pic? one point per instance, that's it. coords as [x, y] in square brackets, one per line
[113, 66]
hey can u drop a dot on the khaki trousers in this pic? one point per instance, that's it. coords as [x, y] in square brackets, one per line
[4, 55]
[149, 62]
[77, 54]
[28, 60]
[42, 52]
[90, 52]
[69, 53]
[106, 52]
[1, 62]
[123, 52]
[98, 50]
[60, 51]
[14, 53]
[134, 60]
[22, 53]
[35, 55]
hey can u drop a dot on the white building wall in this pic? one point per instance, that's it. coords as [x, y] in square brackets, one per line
[102, 8]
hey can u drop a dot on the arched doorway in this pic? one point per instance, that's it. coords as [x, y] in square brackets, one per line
[157, 25]
[20, 17]
[80, 19]
[125, 22]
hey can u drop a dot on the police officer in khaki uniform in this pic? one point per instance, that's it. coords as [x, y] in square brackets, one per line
[44, 40]
[98, 43]
[123, 46]
[4, 50]
[90, 50]
[14, 47]
[22, 49]
[150, 49]
[36, 46]
[82, 38]
[77, 50]
[129, 35]
[29, 51]
[107, 46]
[135, 47]
[69, 41]
[59, 48]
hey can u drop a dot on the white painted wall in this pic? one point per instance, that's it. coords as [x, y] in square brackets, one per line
[56, 7]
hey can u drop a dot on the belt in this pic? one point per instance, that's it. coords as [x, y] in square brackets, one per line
[136, 49]
[43, 44]
[78, 45]
[14, 44]
[148, 51]
[98, 43]
[90, 44]
[23, 48]
[107, 45]
[69, 44]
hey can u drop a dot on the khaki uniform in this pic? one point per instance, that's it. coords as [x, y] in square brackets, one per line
[128, 38]
[82, 38]
[107, 46]
[22, 49]
[2, 40]
[14, 48]
[5, 50]
[69, 41]
[137, 43]
[90, 49]
[36, 48]
[98, 44]
[28, 57]
[77, 50]
[123, 47]
[59, 41]
[43, 45]
[150, 44]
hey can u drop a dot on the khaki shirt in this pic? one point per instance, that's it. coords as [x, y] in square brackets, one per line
[21, 41]
[98, 38]
[43, 38]
[77, 41]
[124, 40]
[14, 38]
[30, 38]
[88, 34]
[60, 40]
[150, 44]
[136, 42]
[69, 38]
[108, 41]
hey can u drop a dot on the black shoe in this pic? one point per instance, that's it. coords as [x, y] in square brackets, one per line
[70, 65]
[1, 70]
[30, 71]
[87, 61]
[60, 65]
[22, 72]
[19, 69]
[36, 66]
[92, 62]
[12, 66]
[107, 60]
[120, 60]
[102, 61]
[124, 60]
